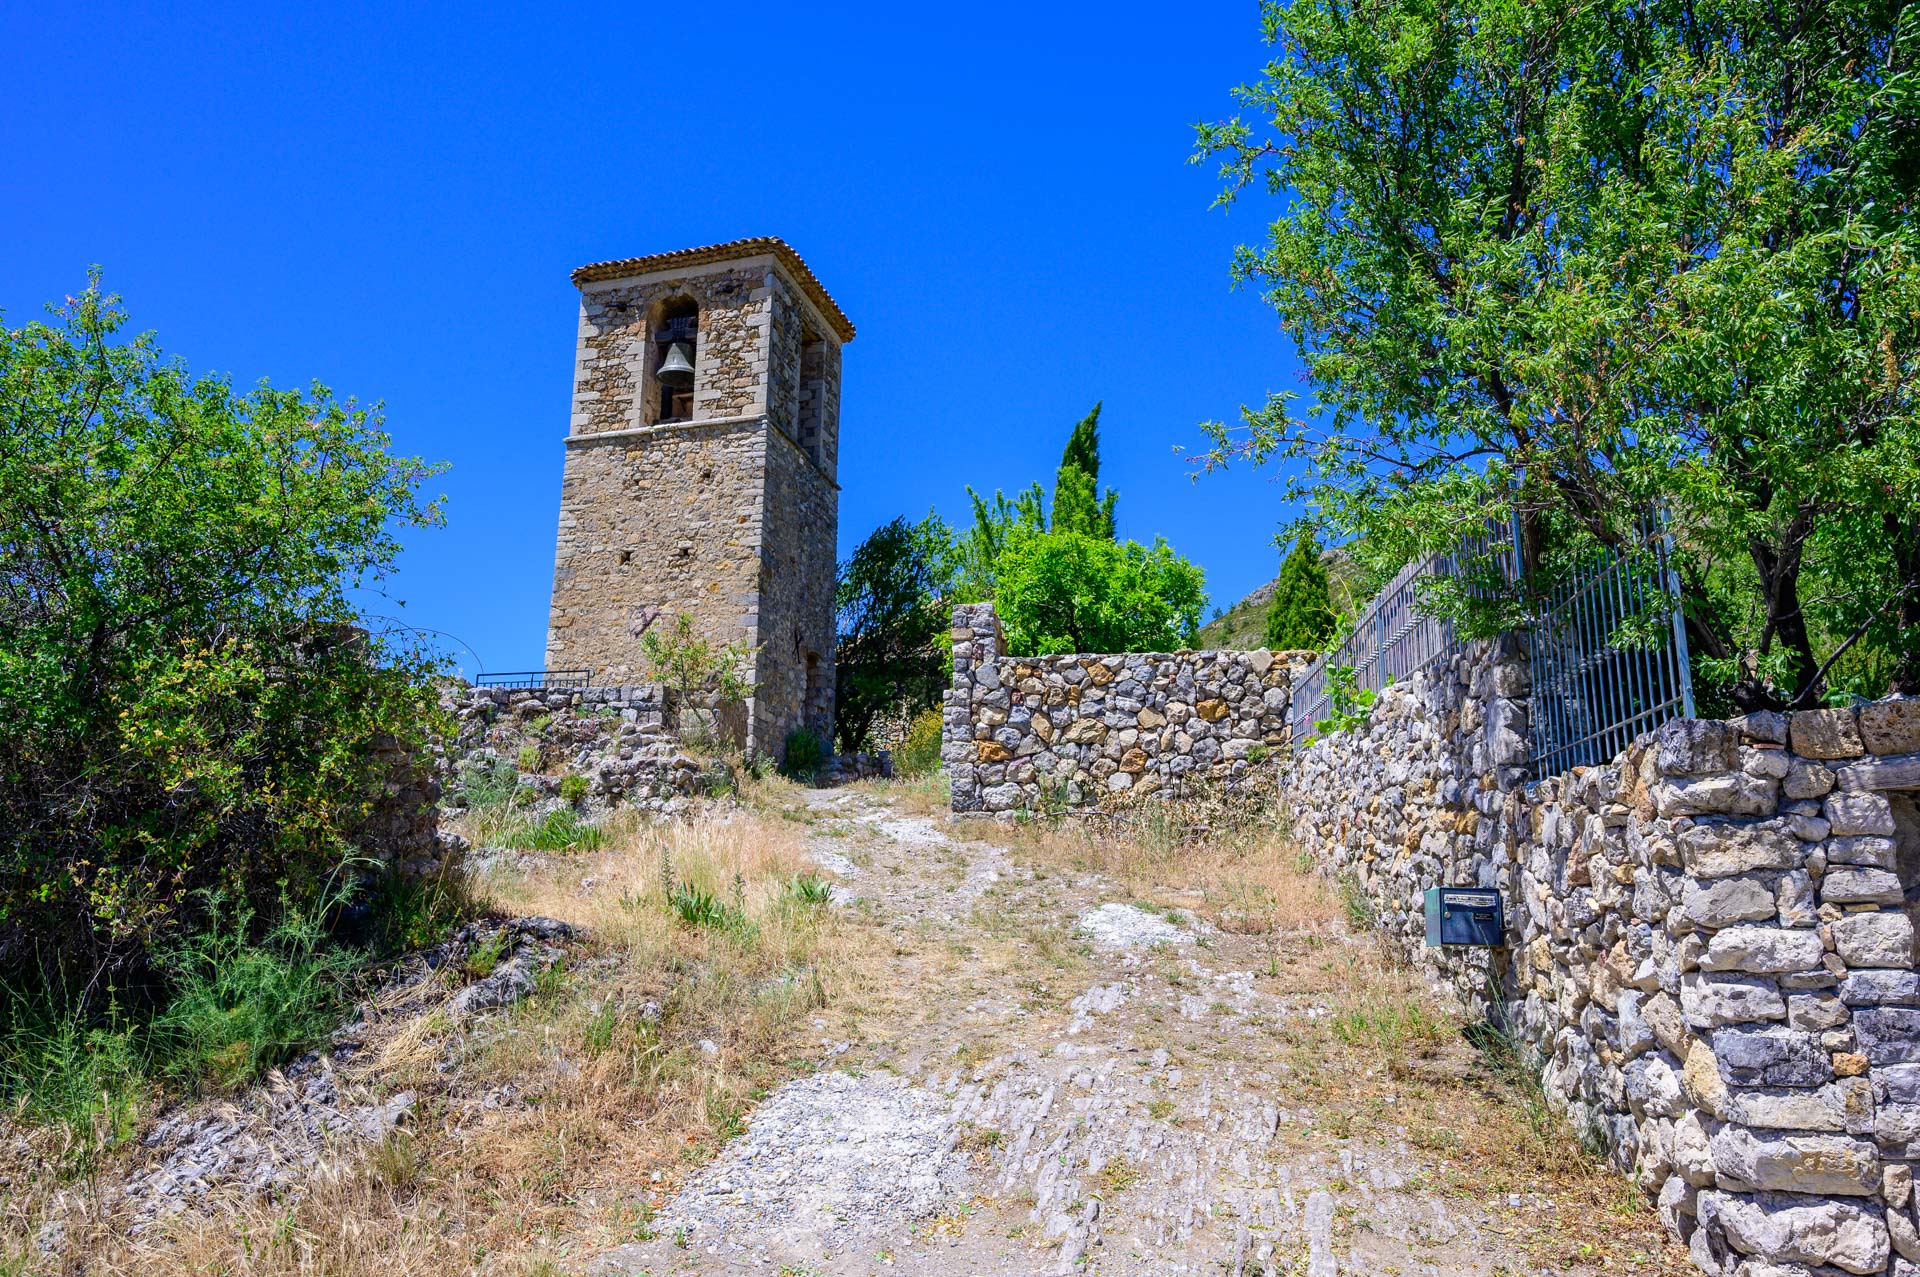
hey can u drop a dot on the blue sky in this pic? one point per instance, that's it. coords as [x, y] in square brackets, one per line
[389, 200]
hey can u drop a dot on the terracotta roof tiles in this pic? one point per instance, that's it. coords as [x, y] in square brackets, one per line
[626, 267]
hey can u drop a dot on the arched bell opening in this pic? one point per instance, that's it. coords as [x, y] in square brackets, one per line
[675, 354]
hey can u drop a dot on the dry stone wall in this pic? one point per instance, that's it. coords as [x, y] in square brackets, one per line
[1710, 944]
[1028, 731]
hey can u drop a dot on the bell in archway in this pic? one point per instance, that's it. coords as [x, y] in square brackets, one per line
[676, 369]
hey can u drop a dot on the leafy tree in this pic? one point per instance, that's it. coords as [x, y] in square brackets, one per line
[1077, 503]
[891, 659]
[976, 552]
[1300, 614]
[192, 711]
[1070, 592]
[1555, 266]
[705, 677]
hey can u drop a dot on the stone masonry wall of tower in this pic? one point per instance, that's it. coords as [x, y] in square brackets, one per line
[730, 517]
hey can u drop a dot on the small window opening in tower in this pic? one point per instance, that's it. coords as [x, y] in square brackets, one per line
[676, 341]
[813, 386]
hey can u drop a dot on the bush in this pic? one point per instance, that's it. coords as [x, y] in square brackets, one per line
[919, 752]
[573, 789]
[805, 754]
[191, 711]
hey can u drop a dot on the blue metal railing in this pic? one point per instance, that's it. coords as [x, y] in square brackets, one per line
[538, 680]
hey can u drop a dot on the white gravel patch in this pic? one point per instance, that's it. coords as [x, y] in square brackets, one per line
[833, 862]
[1119, 926]
[826, 1161]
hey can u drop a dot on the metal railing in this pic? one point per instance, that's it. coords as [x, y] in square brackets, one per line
[536, 679]
[1597, 683]
[1607, 648]
[1392, 640]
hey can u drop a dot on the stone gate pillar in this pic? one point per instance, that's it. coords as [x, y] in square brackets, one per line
[977, 643]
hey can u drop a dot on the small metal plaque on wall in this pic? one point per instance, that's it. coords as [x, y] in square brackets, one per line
[1465, 916]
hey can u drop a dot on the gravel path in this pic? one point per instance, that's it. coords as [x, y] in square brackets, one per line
[1055, 1081]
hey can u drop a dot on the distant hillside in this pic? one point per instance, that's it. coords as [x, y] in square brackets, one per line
[1243, 626]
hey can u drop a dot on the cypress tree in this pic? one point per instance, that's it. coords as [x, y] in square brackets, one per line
[1301, 613]
[1077, 503]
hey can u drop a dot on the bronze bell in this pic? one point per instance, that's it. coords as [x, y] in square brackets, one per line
[676, 369]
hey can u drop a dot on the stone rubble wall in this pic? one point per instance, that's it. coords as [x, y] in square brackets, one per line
[1711, 944]
[1024, 731]
[621, 739]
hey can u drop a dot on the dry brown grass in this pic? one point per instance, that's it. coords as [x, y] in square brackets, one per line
[567, 1120]
[1228, 861]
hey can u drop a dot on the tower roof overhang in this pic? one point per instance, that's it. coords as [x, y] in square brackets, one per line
[759, 246]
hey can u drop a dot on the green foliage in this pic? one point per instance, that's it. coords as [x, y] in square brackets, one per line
[697, 907]
[804, 754]
[810, 889]
[1358, 907]
[77, 1071]
[1077, 503]
[573, 788]
[1553, 266]
[1347, 702]
[1301, 613]
[702, 675]
[528, 758]
[919, 752]
[486, 784]
[191, 709]
[561, 829]
[1069, 592]
[239, 1007]
[893, 656]
[1069, 586]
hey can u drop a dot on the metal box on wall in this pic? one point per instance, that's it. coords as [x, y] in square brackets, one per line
[1465, 916]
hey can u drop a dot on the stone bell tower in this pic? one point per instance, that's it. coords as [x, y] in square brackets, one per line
[700, 472]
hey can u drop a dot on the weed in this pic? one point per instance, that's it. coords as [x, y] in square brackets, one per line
[1395, 1025]
[1118, 1176]
[561, 829]
[697, 908]
[484, 958]
[918, 753]
[805, 754]
[238, 1006]
[1357, 905]
[528, 759]
[809, 889]
[573, 789]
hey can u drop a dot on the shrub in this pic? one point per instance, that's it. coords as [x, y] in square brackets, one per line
[528, 759]
[188, 701]
[919, 752]
[573, 789]
[805, 754]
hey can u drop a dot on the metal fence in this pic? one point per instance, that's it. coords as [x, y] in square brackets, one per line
[1608, 655]
[1607, 649]
[536, 679]
[1393, 639]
